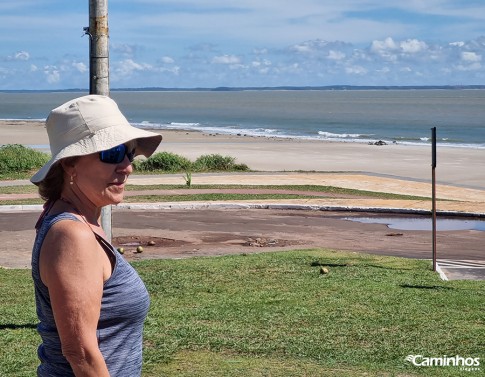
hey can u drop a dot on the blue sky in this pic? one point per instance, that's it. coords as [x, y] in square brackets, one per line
[212, 43]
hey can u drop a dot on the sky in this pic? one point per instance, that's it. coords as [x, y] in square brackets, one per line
[246, 43]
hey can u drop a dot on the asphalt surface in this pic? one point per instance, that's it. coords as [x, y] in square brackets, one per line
[179, 230]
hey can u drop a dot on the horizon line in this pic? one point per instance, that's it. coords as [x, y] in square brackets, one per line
[260, 88]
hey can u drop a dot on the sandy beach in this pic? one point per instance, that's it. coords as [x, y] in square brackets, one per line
[455, 166]
[388, 168]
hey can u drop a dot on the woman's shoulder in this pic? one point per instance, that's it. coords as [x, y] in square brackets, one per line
[69, 233]
[67, 223]
[70, 250]
[48, 221]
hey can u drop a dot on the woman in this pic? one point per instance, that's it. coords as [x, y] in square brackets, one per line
[91, 303]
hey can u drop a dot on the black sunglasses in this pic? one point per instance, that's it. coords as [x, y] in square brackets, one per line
[117, 154]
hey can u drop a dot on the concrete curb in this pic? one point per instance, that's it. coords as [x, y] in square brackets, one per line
[441, 272]
[20, 208]
[232, 205]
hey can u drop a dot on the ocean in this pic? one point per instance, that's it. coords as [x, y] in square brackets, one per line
[362, 116]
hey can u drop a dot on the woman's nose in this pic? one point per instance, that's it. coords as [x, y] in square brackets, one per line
[125, 166]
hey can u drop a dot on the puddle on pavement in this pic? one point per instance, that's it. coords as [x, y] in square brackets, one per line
[416, 223]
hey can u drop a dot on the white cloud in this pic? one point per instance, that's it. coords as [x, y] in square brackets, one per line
[413, 46]
[457, 44]
[302, 48]
[470, 61]
[175, 70]
[19, 56]
[226, 59]
[469, 67]
[389, 61]
[128, 66]
[261, 66]
[470, 57]
[125, 49]
[80, 67]
[145, 74]
[167, 60]
[384, 70]
[22, 55]
[260, 63]
[260, 51]
[356, 70]
[52, 74]
[336, 55]
[180, 43]
[383, 47]
[319, 46]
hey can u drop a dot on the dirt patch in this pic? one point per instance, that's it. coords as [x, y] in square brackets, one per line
[207, 245]
[248, 241]
[135, 241]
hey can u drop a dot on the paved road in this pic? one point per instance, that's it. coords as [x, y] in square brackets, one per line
[187, 229]
[180, 233]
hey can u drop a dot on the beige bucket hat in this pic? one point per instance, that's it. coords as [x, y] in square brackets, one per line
[91, 124]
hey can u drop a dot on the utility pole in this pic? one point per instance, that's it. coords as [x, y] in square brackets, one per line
[99, 70]
[98, 47]
[433, 192]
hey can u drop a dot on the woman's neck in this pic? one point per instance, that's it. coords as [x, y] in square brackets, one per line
[80, 204]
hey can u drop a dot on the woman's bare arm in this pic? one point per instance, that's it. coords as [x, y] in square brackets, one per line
[74, 267]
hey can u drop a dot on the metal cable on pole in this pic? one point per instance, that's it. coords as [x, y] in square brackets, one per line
[99, 70]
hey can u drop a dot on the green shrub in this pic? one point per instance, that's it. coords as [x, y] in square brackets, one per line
[165, 161]
[15, 158]
[240, 167]
[216, 162]
[188, 179]
[17, 161]
[174, 163]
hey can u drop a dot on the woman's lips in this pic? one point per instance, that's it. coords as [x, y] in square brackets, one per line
[119, 183]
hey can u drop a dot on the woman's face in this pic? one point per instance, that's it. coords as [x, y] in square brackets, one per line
[99, 182]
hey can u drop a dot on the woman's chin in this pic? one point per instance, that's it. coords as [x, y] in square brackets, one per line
[113, 198]
[117, 199]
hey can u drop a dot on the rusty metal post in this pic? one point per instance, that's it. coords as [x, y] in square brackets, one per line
[433, 191]
[99, 71]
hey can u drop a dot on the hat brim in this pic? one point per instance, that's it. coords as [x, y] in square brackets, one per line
[147, 143]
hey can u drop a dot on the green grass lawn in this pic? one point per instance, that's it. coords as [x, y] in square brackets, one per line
[274, 314]
[190, 196]
[31, 189]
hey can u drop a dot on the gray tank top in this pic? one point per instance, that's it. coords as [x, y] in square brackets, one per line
[124, 306]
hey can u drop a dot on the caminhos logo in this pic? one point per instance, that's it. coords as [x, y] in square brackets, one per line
[464, 363]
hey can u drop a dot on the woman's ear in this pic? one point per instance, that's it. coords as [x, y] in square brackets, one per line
[68, 165]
